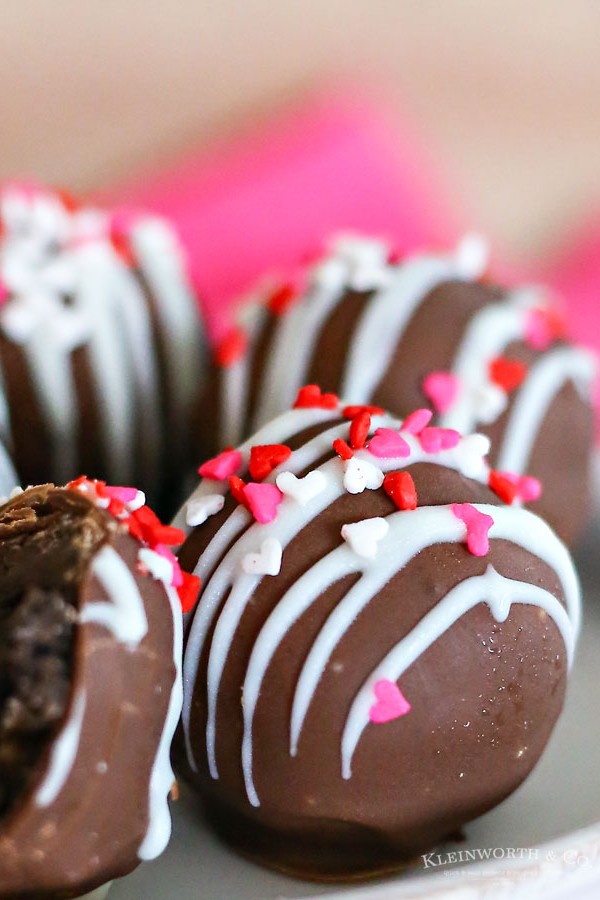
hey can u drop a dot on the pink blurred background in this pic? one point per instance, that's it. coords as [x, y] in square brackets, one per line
[466, 115]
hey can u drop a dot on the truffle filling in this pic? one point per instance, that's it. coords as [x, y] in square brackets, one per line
[47, 538]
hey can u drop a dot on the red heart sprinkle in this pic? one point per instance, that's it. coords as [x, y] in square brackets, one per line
[342, 449]
[280, 300]
[507, 373]
[350, 412]
[236, 486]
[310, 396]
[231, 348]
[359, 429]
[265, 458]
[400, 487]
[506, 489]
[188, 591]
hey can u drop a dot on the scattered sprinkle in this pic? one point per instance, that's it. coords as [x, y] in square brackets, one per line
[222, 466]
[509, 486]
[391, 703]
[310, 396]
[478, 525]
[507, 373]
[350, 412]
[359, 429]
[262, 501]
[281, 298]
[198, 509]
[302, 490]
[236, 488]
[434, 439]
[400, 487]
[343, 449]
[363, 537]
[543, 327]
[264, 458]
[231, 348]
[360, 474]
[441, 388]
[267, 561]
[387, 443]
[417, 421]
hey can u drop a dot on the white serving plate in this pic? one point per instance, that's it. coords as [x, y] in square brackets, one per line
[554, 818]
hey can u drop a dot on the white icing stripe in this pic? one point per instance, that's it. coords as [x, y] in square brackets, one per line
[124, 614]
[488, 334]
[162, 777]
[409, 533]
[291, 351]
[161, 261]
[234, 382]
[385, 319]
[495, 590]
[545, 378]
[63, 753]
[291, 518]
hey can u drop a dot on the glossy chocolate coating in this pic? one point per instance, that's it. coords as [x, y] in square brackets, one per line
[92, 831]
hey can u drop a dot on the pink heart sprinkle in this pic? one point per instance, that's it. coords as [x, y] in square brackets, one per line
[391, 702]
[124, 494]
[263, 500]
[478, 525]
[538, 330]
[435, 439]
[222, 466]
[529, 488]
[441, 388]
[388, 444]
[4, 292]
[417, 421]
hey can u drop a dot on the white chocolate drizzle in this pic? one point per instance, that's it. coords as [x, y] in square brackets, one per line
[63, 754]
[124, 613]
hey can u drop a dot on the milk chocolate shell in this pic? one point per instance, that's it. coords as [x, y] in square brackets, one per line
[100, 342]
[380, 647]
[428, 329]
[90, 689]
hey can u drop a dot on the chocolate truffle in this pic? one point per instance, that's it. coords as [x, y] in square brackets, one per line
[90, 686]
[426, 330]
[380, 648]
[100, 342]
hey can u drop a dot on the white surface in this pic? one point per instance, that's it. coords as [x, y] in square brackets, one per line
[556, 815]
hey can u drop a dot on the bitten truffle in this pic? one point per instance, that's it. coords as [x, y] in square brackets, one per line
[101, 345]
[90, 686]
[428, 329]
[380, 647]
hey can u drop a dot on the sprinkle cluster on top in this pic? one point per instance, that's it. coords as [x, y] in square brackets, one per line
[262, 498]
[155, 557]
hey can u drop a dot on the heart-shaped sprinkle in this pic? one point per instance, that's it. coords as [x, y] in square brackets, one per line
[391, 703]
[488, 402]
[543, 327]
[236, 488]
[350, 412]
[434, 439]
[267, 561]
[387, 443]
[310, 396]
[343, 449]
[263, 500]
[359, 429]
[507, 373]
[417, 421]
[265, 458]
[222, 466]
[400, 487]
[509, 486]
[231, 348]
[472, 458]
[478, 525]
[302, 490]
[441, 388]
[281, 298]
[362, 537]
[360, 474]
[188, 591]
[199, 509]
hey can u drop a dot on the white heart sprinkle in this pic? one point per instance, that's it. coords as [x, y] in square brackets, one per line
[303, 490]
[199, 509]
[472, 452]
[360, 474]
[267, 562]
[362, 537]
[489, 402]
[158, 566]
